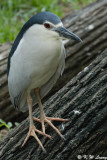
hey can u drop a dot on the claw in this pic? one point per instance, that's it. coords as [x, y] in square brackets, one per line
[31, 132]
[48, 120]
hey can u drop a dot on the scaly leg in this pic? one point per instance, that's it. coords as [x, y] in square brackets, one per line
[44, 118]
[32, 128]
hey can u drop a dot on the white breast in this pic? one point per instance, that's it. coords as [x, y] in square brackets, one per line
[44, 62]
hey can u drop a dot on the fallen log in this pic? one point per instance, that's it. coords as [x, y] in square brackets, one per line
[84, 102]
[90, 24]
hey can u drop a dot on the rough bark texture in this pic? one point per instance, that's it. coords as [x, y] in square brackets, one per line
[84, 102]
[90, 24]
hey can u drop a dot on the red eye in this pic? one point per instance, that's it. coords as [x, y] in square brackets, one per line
[46, 25]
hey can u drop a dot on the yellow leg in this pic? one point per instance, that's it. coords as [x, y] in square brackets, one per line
[44, 118]
[32, 128]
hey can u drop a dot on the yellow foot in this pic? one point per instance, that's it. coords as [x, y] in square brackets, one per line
[31, 132]
[48, 120]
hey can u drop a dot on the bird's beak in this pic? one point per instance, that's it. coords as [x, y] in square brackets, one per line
[65, 33]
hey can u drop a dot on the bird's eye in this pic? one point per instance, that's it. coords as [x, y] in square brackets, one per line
[46, 25]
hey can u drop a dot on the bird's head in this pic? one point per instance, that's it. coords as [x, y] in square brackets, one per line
[49, 24]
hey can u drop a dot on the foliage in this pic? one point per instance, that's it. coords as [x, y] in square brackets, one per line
[8, 125]
[77, 4]
[14, 13]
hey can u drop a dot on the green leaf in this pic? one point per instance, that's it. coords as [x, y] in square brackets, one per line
[16, 123]
[9, 124]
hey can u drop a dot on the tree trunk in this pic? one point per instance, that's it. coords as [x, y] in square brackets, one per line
[90, 24]
[84, 102]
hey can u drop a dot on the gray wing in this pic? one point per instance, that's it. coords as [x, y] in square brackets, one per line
[48, 86]
[17, 84]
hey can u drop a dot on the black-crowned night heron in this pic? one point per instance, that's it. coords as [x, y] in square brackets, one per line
[35, 62]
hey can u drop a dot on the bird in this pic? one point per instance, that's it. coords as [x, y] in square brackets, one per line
[35, 62]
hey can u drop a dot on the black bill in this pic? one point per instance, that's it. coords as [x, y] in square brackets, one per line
[63, 32]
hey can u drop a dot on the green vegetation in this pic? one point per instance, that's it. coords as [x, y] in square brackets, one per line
[8, 125]
[14, 13]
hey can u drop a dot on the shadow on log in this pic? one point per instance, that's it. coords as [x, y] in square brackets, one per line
[84, 102]
[88, 23]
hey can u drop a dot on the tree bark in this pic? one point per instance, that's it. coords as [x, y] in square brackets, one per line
[90, 24]
[84, 102]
